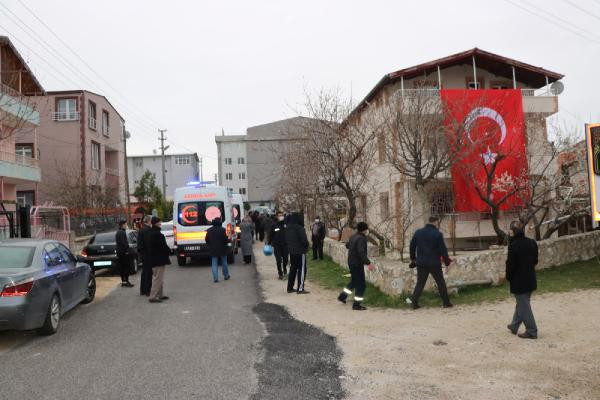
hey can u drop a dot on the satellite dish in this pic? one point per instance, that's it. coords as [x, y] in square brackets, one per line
[557, 88]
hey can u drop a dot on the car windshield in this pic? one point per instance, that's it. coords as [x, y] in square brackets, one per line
[104, 238]
[16, 256]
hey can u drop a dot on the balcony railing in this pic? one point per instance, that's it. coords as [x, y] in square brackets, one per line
[112, 171]
[92, 123]
[9, 90]
[18, 159]
[434, 92]
[65, 116]
[105, 130]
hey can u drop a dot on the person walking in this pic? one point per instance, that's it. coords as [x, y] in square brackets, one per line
[297, 244]
[254, 216]
[142, 239]
[260, 226]
[247, 238]
[276, 238]
[357, 259]
[123, 253]
[268, 223]
[427, 249]
[158, 254]
[520, 272]
[216, 239]
[318, 238]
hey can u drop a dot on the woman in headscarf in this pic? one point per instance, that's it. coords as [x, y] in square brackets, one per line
[247, 228]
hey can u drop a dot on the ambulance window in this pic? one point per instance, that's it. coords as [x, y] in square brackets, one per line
[200, 212]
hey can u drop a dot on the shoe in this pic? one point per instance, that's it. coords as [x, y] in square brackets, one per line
[155, 301]
[290, 291]
[144, 294]
[415, 306]
[285, 272]
[216, 280]
[510, 328]
[342, 297]
[358, 307]
[164, 297]
[303, 292]
[126, 284]
[280, 277]
[527, 335]
[227, 277]
[449, 305]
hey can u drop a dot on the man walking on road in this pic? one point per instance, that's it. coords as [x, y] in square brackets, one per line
[142, 238]
[123, 253]
[357, 259]
[427, 248]
[520, 272]
[216, 239]
[159, 255]
[277, 240]
[297, 244]
[318, 237]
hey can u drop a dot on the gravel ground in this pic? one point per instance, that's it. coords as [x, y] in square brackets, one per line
[462, 353]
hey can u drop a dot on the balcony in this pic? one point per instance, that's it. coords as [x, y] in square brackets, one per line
[92, 123]
[65, 116]
[19, 168]
[18, 108]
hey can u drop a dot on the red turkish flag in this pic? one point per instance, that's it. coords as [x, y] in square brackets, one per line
[492, 125]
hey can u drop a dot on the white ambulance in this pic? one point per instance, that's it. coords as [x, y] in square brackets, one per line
[195, 206]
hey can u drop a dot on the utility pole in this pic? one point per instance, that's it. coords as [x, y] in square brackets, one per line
[201, 175]
[162, 139]
[126, 136]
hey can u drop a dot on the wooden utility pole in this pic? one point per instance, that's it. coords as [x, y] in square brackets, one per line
[127, 203]
[162, 139]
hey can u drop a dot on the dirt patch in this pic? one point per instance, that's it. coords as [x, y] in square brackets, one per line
[462, 353]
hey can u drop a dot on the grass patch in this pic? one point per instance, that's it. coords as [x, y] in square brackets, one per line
[579, 275]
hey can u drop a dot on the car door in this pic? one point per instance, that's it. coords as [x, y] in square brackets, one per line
[58, 271]
[79, 281]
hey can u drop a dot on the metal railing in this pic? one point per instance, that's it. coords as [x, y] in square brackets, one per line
[105, 130]
[92, 123]
[435, 92]
[4, 88]
[19, 159]
[65, 116]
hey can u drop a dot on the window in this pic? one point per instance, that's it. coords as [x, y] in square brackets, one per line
[139, 163]
[241, 160]
[228, 176]
[242, 190]
[66, 110]
[182, 160]
[500, 85]
[105, 126]
[95, 155]
[384, 206]
[92, 115]
[473, 85]
[26, 198]
[242, 175]
[25, 150]
[228, 161]
[442, 200]
[381, 148]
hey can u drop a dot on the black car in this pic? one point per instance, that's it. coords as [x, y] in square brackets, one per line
[101, 252]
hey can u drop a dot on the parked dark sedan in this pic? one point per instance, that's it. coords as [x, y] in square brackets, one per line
[40, 280]
[101, 252]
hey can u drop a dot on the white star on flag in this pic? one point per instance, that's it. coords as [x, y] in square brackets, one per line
[489, 157]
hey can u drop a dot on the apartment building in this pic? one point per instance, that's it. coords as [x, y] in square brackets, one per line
[18, 118]
[233, 167]
[474, 69]
[179, 170]
[80, 139]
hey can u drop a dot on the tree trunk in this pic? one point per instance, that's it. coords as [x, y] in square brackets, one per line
[499, 232]
[423, 203]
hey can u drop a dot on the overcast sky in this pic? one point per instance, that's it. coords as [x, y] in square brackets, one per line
[197, 67]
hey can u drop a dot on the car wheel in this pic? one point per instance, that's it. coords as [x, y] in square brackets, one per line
[52, 321]
[90, 289]
[181, 261]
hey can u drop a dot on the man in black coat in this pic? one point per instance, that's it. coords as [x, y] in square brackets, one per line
[357, 259]
[276, 238]
[427, 249]
[318, 237]
[297, 244]
[158, 256]
[217, 240]
[520, 272]
[123, 253]
[146, 279]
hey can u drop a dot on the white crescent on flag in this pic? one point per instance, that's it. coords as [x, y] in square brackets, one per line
[481, 112]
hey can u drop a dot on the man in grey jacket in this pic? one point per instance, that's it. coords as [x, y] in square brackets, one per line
[357, 259]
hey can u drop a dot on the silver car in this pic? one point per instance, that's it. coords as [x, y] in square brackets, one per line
[40, 280]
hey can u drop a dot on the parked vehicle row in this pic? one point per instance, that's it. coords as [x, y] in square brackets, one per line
[101, 252]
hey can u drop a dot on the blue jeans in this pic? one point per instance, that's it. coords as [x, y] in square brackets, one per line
[215, 270]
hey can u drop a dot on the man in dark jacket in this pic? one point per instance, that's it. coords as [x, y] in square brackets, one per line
[146, 279]
[268, 223]
[158, 255]
[357, 259]
[276, 238]
[427, 248]
[123, 253]
[318, 237]
[520, 272]
[297, 244]
[217, 240]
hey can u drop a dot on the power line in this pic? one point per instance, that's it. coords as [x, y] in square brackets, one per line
[577, 6]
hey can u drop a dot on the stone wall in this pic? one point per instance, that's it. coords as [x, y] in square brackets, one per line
[395, 277]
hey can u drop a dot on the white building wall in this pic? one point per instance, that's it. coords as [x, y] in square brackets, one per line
[234, 175]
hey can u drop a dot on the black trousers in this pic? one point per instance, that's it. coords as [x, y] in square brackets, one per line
[281, 257]
[357, 282]
[261, 234]
[422, 275]
[146, 280]
[124, 266]
[317, 247]
[297, 268]
[247, 259]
